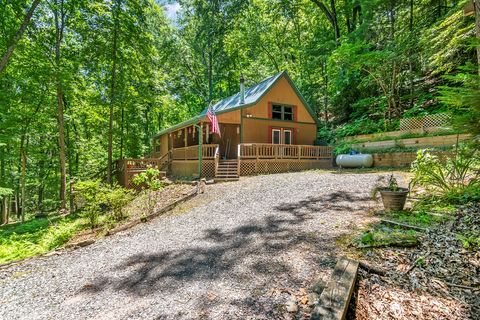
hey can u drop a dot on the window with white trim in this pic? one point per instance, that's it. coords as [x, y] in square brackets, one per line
[282, 112]
[276, 136]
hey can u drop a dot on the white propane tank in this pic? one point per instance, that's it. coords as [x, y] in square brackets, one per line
[355, 160]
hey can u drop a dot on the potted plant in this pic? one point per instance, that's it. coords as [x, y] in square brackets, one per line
[393, 196]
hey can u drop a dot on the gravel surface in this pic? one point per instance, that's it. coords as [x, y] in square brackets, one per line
[240, 250]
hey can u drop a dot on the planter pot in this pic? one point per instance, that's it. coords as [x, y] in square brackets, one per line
[394, 200]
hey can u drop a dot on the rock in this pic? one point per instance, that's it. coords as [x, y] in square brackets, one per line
[291, 306]
[312, 299]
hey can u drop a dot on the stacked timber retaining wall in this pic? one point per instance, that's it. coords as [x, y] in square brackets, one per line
[402, 159]
[422, 142]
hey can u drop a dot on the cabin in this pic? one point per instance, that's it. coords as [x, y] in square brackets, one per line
[266, 128]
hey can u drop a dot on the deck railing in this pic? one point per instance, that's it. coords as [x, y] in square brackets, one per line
[127, 168]
[282, 151]
[191, 153]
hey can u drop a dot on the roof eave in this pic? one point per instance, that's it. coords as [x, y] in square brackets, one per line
[305, 103]
[179, 126]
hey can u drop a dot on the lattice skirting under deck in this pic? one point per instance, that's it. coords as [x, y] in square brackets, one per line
[188, 168]
[252, 167]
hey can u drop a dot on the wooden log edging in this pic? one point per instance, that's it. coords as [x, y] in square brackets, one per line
[403, 225]
[155, 214]
[334, 300]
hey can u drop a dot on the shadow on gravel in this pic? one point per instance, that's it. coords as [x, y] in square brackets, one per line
[245, 254]
[335, 201]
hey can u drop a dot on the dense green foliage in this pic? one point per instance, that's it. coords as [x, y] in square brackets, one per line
[95, 71]
[94, 198]
[457, 180]
[37, 236]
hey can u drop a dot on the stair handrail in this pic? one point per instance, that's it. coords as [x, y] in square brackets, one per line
[217, 158]
[165, 159]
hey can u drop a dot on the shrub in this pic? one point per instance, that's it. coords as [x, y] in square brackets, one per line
[116, 199]
[88, 197]
[149, 182]
[93, 198]
[456, 180]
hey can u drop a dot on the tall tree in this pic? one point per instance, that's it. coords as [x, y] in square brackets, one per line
[115, 32]
[18, 35]
[59, 15]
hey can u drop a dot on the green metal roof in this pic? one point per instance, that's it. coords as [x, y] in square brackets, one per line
[253, 94]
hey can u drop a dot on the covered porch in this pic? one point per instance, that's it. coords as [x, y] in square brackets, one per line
[190, 136]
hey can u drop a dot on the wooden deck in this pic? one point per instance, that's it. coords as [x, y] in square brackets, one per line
[261, 158]
[253, 158]
[127, 168]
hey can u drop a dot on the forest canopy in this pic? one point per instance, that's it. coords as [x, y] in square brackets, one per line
[83, 83]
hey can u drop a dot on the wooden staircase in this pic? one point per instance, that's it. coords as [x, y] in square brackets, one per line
[227, 170]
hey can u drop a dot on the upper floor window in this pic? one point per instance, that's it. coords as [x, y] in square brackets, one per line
[282, 112]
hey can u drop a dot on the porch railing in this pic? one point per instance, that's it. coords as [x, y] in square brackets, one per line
[282, 151]
[191, 153]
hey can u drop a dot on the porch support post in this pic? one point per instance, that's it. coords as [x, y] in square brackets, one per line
[200, 148]
[241, 125]
[185, 137]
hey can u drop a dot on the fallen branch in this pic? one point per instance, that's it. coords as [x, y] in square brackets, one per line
[403, 225]
[416, 262]
[372, 269]
[461, 286]
[80, 244]
[402, 244]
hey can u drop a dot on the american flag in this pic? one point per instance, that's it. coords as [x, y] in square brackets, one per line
[213, 119]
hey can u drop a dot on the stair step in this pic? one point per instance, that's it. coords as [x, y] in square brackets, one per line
[226, 179]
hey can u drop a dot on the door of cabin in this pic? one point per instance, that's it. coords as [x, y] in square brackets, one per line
[229, 140]
[282, 136]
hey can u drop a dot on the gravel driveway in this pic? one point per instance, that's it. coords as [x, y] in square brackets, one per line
[238, 251]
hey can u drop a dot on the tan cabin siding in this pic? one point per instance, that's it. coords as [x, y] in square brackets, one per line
[283, 93]
[232, 117]
[259, 131]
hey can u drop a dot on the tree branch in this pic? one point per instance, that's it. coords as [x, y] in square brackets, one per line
[18, 35]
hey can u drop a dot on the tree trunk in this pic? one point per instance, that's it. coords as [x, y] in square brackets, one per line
[476, 4]
[325, 93]
[331, 17]
[2, 166]
[410, 62]
[392, 19]
[59, 26]
[210, 75]
[3, 206]
[112, 92]
[15, 208]
[5, 215]
[122, 119]
[335, 22]
[18, 35]
[23, 166]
